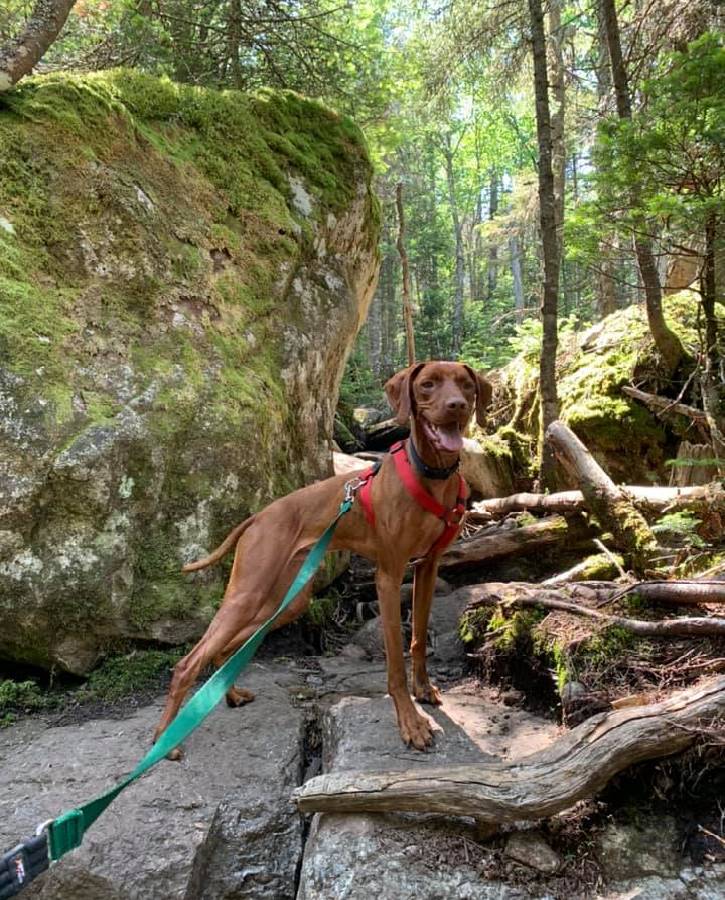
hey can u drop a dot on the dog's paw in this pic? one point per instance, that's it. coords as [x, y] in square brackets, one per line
[238, 697]
[426, 692]
[416, 730]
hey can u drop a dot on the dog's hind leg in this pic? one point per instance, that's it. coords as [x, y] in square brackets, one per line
[240, 696]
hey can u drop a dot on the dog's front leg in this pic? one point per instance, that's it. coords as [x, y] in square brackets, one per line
[414, 728]
[423, 587]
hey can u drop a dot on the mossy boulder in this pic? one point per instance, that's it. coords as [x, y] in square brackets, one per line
[627, 438]
[182, 274]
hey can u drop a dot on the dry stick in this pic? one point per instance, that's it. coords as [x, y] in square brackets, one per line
[407, 306]
[576, 766]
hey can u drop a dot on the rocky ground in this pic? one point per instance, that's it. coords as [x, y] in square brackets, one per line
[220, 824]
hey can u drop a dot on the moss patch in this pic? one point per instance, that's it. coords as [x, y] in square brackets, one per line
[159, 272]
[631, 442]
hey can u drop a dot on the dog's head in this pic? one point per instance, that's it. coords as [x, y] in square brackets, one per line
[441, 397]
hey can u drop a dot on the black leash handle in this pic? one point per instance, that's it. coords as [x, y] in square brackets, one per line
[19, 866]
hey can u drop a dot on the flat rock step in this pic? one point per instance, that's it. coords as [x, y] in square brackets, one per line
[396, 857]
[217, 825]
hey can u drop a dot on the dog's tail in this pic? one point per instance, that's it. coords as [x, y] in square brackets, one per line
[229, 541]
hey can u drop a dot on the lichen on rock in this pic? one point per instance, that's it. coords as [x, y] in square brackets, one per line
[174, 324]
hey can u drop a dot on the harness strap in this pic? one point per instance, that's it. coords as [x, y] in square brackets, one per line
[365, 495]
[451, 517]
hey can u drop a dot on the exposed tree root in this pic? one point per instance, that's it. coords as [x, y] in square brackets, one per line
[576, 766]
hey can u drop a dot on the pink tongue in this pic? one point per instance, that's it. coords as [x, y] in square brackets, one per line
[450, 438]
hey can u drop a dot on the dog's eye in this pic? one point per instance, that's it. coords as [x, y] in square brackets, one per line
[428, 384]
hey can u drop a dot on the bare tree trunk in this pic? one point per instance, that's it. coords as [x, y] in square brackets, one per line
[550, 246]
[577, 765]
[19, 56]
[666, 341]
[558, 94]
[457, 331]
[606, 302]
[493, 249]
[712, 391]
[519, 303]
[407, 304]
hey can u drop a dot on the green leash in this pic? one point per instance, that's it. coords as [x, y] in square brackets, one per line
[66, 832]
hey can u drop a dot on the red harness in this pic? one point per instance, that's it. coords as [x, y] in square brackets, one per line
[451, 517]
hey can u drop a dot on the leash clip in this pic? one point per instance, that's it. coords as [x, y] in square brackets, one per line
[351, 486]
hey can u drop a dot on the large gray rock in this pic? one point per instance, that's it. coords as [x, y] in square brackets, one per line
[216, 826]
[180, 288]
[389, 857]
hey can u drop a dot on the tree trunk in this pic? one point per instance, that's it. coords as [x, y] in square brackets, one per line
[550, 246]
[558, 95]
[576, 766]
[712, 391]
[19, 56]
[493, 249]
[457, 330]
[519, 302]
[666, 341]
[407, 303]
[610, 505]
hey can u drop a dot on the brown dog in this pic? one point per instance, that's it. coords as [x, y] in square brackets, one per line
[439, 398]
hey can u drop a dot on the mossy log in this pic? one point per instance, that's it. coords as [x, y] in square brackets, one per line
[574, 600]
[650, 501]
[548, 531]
[610, 505]
[576, 766]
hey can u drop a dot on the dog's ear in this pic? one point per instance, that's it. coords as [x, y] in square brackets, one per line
[399, 393]
[484, 392]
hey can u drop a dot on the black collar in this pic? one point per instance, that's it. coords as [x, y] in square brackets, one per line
[429, 471]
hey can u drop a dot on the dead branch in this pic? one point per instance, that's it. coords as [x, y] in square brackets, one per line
[650, 501]
[576, 766]
[663, 405]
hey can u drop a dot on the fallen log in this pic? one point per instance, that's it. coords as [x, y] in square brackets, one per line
[650, 501]
[610, 505]
[574, 767]
[680, 593]
[509, 541]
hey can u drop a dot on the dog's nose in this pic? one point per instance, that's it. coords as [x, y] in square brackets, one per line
[456, 404]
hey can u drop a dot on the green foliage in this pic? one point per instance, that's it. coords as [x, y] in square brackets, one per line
[684, 525]
[122, 676]
[20, 697]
